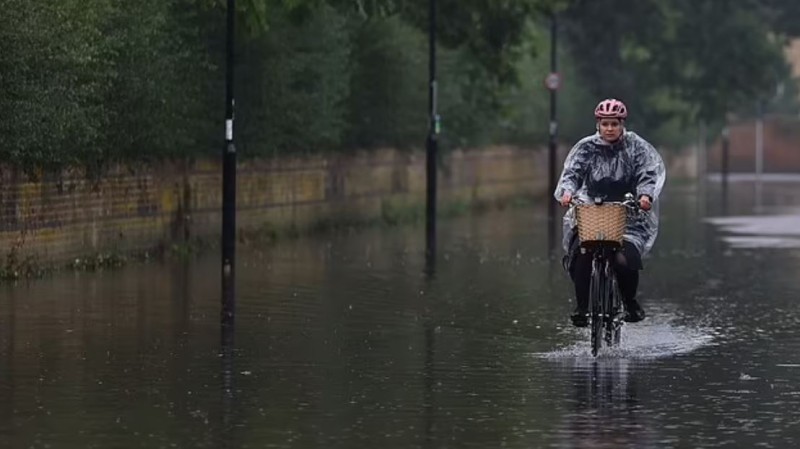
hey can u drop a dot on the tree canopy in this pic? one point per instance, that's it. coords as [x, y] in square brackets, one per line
[96, 81]
[695, 59]
[673, 60]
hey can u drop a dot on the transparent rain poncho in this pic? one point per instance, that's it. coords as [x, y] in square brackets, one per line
[595, 168]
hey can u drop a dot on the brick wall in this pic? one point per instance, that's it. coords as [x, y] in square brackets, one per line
[781, 147]
[60, 217]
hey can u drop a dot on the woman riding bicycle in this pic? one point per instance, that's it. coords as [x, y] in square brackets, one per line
[608, 165]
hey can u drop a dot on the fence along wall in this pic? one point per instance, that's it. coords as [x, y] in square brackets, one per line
[64, 216]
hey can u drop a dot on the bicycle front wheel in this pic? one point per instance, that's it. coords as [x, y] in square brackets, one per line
[611, 307]
[596, 302]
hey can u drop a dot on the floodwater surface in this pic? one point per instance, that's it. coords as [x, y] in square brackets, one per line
[343, 341]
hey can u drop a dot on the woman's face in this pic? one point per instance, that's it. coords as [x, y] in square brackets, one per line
[610, 129]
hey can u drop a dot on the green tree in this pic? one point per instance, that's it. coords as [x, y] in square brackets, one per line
[159, 101]
[388, 88]
[525, 114]
[53, 73]
[294, 83]
[692, 60]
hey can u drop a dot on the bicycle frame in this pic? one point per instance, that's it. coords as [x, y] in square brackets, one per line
[606, 308]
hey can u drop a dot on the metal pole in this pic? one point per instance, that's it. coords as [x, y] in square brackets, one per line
[702, 169]
[432, 143]
[759, 163]
[229, 179]
[551, 205]
[724, 165]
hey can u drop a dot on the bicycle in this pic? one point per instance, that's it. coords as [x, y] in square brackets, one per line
[601, 227]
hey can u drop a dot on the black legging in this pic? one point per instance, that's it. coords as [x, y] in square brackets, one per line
[627, 275]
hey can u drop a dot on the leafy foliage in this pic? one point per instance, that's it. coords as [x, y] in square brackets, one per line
[691, 60]
[53, 73]
[296, 83]
[93, 82]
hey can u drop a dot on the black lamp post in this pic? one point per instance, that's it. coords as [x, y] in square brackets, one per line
[432, 144]
[229, 180]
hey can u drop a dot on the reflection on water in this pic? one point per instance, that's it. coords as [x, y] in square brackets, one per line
[346, 341]
[604, 405]
[759, 231]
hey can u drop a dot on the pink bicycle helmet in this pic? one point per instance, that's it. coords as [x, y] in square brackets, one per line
[611, 108]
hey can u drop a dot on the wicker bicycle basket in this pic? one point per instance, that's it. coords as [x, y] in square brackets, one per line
[601, 223]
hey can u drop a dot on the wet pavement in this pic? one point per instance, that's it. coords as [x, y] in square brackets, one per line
[343, 342]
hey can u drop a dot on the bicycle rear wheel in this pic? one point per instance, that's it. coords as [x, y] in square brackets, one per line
[617, 312]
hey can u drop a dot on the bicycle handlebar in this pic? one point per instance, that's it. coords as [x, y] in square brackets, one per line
[629, 202]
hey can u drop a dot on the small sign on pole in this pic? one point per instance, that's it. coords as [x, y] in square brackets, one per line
[552, 81]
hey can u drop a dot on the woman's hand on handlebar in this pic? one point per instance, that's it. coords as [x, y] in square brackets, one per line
[645, 203]
[566, 199]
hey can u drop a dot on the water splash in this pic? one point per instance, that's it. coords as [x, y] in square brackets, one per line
[655, 337]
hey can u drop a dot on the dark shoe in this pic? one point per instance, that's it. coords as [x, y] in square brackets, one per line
[634, 312]
[579, 317]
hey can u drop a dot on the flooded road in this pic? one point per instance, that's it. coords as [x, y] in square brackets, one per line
[342, 342]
